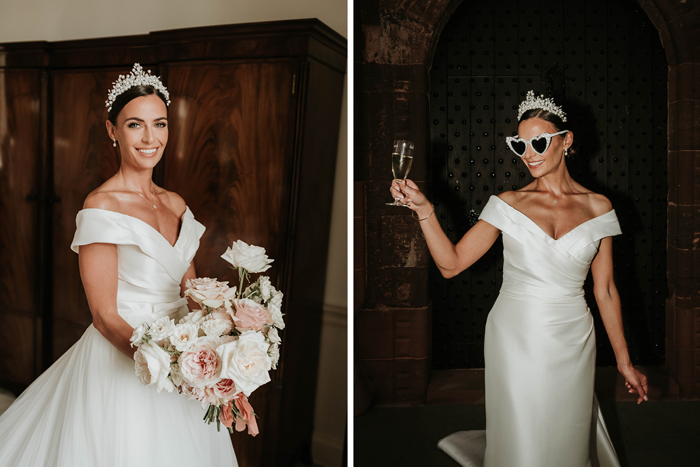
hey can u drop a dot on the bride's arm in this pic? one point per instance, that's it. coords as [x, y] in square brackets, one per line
[450, 259]
[189, 274]
[98, 271]
[608, 301]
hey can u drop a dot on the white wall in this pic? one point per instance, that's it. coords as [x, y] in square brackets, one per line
[55, 20]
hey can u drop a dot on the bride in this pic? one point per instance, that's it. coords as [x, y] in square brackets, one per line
[136, 242]
[539, 344]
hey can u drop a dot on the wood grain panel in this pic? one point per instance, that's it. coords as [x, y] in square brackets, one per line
[20, 153]
[232, 134]
[83, 159]
[231, 158]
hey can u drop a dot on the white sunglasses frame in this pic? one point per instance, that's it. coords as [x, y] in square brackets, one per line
[547, 136]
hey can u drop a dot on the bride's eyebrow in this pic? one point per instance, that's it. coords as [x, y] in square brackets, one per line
[140, 120]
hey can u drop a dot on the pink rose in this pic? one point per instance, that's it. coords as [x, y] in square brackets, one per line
[209, 292]
[192, 393]
[250, 315]
[226, 415]
[246, 416]
[200, 365]
[225, 389]
[222, 315]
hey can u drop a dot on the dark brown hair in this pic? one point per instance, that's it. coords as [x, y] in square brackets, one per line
[128, 96]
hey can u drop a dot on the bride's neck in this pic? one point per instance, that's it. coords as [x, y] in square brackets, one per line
[557, 183]
[141, 180]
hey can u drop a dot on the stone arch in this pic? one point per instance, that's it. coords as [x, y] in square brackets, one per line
[396, 42]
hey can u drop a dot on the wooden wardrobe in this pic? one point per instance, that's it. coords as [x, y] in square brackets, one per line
[254, 123]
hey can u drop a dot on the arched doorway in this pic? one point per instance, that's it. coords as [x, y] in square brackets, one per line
[609, 57]
[395, 47]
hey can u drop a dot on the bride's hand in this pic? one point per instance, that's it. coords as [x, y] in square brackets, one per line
[635, 382]
[410, 195]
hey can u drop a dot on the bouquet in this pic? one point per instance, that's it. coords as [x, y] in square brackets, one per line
[224, 351]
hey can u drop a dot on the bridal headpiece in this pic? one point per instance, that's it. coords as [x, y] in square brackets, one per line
[532, 102]
[135, 78]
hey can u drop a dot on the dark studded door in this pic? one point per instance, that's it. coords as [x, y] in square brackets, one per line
[488, 56]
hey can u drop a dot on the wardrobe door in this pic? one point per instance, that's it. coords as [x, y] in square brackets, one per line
[21, 150]
[83, 159]
[230, 156]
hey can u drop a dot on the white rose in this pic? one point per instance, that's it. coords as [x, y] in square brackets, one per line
[175, 375]
[265, 287]
[162, 328]
[273, 336]
[184, 335]
[137, 335]
[276, 314]
[249, 257]
[274, 354]
[276, 299]
[246, 362]
[195, 317]
[153, 366]
[216, 327]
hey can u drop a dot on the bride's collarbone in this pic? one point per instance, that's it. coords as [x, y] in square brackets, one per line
[555, 219]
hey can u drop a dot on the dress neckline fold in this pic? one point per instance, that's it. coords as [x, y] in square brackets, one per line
[612, 211]
[181, 224]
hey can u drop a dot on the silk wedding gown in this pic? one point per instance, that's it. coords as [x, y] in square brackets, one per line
[89, 409]
[539, 352]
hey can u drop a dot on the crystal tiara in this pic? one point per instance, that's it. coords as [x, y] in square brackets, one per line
[135, 78]
[532, 102]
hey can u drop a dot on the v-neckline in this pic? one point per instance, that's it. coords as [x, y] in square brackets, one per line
[543, 231]
[181, 224]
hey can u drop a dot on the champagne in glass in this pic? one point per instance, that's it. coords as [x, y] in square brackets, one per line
[401, 160]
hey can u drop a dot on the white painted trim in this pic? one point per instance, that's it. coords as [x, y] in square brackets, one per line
[334, 315]
[327, 451]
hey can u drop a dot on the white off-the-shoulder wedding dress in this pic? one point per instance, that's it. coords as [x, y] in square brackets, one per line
[89, 409]
[539, 350]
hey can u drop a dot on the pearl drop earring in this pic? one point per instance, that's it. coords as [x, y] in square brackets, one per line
[114, 142]
[566, 152]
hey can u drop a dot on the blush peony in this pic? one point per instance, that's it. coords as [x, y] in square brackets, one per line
[200, 365]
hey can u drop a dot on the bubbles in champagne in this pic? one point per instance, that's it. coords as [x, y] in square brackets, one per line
[401, 165]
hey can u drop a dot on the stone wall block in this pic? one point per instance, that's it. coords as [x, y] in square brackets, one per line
[375, 334]
[685, 227]
[381, 374]
[671, 335]
[684, 125]
[683, 182]
[684, 370]
[685, 324]
[396, 242]
[411, 380]
[361, 149]
[671, 10]
[397, 287]
[412, 332]
[377, 77]
[397, 115]
[684, 82]
[696, 371]
[685, 33]
[377, 194]
[696, 328]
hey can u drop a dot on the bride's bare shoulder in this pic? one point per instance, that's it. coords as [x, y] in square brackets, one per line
[103, 197]
[599, 203]
[173, 201]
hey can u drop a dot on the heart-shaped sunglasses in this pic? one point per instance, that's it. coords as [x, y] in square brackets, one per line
[539, 143]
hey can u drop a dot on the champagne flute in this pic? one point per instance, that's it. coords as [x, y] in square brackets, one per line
[401, 160]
